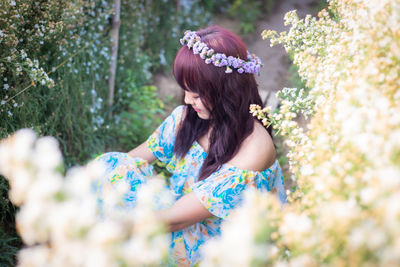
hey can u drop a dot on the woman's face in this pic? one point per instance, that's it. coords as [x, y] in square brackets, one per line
[194, 100]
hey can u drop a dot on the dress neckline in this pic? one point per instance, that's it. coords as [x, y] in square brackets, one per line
[227, 165]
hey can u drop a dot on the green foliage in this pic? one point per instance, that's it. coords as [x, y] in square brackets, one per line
[138, 110]
[281, 155]
[248, 12]
[216, 6]
[57, 38]
[9, 240]
[321, 4]
[294, 77]
[9, 244]
[54, 67]
[150, 32]
[7, 210]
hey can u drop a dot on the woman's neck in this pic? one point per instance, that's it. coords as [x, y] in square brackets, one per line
[204, 141]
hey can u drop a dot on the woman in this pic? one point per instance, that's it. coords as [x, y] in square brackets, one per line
[212, 144]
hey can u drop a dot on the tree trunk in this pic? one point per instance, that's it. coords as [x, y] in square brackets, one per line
[114, 52]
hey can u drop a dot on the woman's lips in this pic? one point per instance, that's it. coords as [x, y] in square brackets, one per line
[197, 110]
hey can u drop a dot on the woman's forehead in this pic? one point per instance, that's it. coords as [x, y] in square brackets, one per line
[188, 86]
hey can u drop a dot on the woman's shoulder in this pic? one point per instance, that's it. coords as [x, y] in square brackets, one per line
[177, 115]
[179, 111]
[257, 152]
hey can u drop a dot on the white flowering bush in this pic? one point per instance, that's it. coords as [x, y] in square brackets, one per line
[49, 51]
[54, 66]
[346, 162]
[58, 218]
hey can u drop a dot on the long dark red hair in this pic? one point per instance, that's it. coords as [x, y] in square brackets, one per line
[227, 96]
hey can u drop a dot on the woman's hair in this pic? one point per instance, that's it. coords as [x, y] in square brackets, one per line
[227, 96]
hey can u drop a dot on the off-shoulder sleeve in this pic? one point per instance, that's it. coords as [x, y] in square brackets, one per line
[162, 141]
[222, 191]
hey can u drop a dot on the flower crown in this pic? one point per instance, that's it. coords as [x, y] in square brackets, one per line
[252, 65]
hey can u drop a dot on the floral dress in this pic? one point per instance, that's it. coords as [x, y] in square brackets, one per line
[220, 193]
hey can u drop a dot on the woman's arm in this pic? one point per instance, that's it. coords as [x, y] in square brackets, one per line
[162, 139]
[186, 211]
[143, 152]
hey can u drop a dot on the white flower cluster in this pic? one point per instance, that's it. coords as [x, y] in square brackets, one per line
[71, 31]
[97, 104]
[240, 243]
[58, 218]
[35, 73]
[346, 209]
[299, 101]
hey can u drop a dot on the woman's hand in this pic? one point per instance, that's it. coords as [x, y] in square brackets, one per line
[186, 211]
[143, 152]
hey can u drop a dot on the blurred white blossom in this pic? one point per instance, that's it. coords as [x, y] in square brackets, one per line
[59, 219]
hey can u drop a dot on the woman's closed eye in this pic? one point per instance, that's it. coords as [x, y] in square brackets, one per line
[189, 96]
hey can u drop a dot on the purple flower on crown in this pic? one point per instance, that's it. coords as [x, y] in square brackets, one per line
[249, 56]
[235, 63]
[218, 56]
